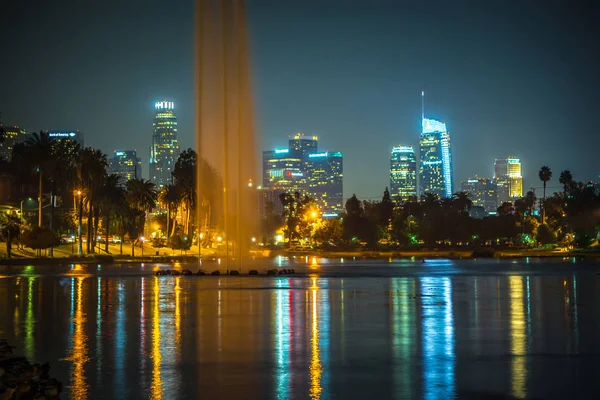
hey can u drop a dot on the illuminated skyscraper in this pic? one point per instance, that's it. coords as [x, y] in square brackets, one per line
[300, 168]
[126, 164]
[283, 169]
[165, 148]
[482, 192]
[12, 136]
[303, 144]
[75, 136]
[403, 173]
[435, 163]
[509, 179]
[435, 156]
[325, 180]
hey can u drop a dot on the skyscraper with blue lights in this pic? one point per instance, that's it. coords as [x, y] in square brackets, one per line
[435, 158]
[165, 148]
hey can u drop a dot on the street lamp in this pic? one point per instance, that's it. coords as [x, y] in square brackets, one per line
[142, 239]
[79, 221]
[22, 201]
[200, 236]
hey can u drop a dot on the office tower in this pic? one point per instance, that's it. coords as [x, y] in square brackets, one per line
[435, 157]
[325, 180]
[303, 144]
[12, 136]
[126, 164]
[482, 192]
[509, 179]
[403, 173]
[283, 169]
[165, 148]
[67, 135]
[300, 168]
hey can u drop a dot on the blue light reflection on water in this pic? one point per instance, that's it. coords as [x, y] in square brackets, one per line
[438, 338]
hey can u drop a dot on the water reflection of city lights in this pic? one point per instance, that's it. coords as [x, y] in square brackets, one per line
[517, 337]
[79, 349]
[29, 321]
[438, 339]
[315, 368]
[156, 390]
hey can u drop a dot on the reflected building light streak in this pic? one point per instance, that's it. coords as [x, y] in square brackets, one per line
[29, 321]
[403, 319]
[315, 369]
[282, 338]
[438, 339]
[143, 329]
[79, 351]
[575, 314]
[99, 326]
[121, 336]
[517, 337]
[156, 388]
[178, 316]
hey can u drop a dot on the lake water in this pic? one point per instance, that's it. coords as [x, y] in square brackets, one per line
[345, 329]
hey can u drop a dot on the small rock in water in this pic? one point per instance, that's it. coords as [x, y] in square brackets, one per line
[215, 273]
[253, 272]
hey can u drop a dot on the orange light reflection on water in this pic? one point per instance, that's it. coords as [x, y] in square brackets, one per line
[79, 350]
[156, 390]
[315, 369]
[517, 337]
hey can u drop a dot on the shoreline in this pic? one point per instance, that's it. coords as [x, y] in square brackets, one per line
[364, 255]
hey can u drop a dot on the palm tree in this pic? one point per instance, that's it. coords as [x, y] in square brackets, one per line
[141, 195]
[91, 171]
[530, 200]
[39, 148]
[59, 169]
[170, 197]
[430, 201]
[545, 175]
[566, 179]
[10, 226]
[110, 196]
[462, 202]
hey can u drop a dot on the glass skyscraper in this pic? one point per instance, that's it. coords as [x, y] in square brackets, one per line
[403, 173]
[325, 180]
[165, 148]
[12, 136]
[301, 168]
[482, 192]
[435, 164]
[126, 164]
[509, 179]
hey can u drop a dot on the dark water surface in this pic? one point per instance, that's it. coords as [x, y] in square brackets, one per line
[345, 329]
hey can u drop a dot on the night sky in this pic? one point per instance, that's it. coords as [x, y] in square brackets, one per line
[514, 78]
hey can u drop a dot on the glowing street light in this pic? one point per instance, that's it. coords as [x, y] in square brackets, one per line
[219, 239]
[142, 239]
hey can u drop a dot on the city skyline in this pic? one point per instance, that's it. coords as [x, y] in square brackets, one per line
[485, 89]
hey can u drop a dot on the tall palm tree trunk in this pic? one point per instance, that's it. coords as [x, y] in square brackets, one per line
[40, 201]
[89, 226]
[50, 225]
[107, 220]
[168, 218]
[544, 205]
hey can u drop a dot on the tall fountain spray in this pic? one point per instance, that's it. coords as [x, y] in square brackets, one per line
[225, 135]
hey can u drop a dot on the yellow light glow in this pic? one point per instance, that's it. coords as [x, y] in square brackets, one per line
[156, 390]
[314, 214]
[219, 239]
[518, 337]
[79, 351]
[315, 368]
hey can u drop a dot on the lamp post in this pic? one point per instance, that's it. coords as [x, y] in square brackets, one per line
[142, 239]
[80, 217]
[22, 201]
